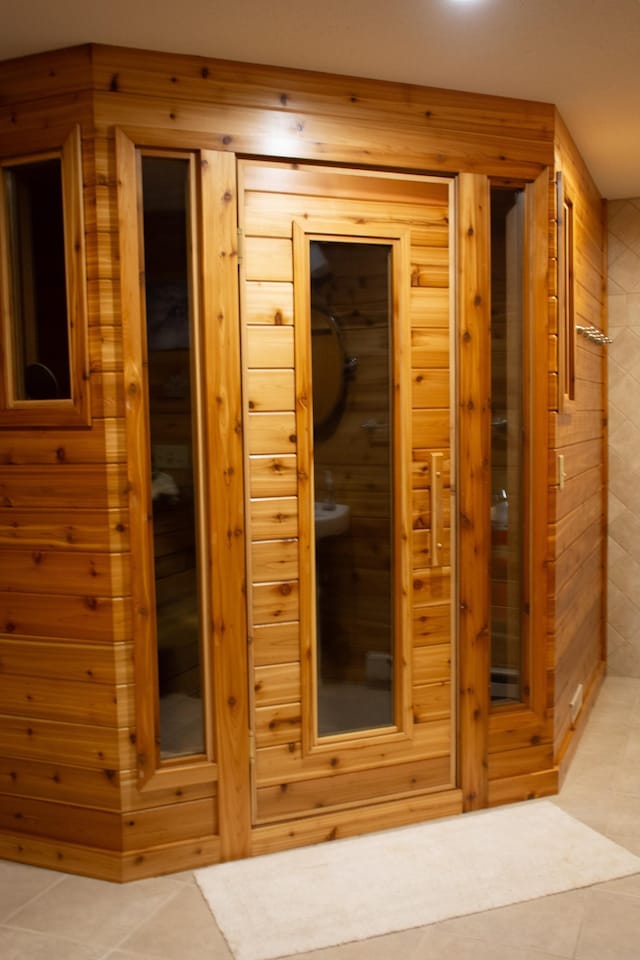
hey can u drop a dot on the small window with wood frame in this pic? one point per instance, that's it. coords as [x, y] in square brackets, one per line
[43, 304]
[566, 303]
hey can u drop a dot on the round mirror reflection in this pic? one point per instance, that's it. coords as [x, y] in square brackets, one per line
[329, 373]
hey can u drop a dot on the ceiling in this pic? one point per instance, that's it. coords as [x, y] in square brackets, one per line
[582, 55]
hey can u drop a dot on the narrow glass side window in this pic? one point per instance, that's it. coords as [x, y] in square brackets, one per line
[179, 562]
[39, 334]
[353, 414]
[508, 419]
[567, 319]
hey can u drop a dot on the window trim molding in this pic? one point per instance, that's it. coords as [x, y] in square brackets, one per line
[397, 238]
[152, 771]
[74, 411]
[566, 294]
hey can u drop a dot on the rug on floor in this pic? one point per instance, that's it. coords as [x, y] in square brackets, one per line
[352, 889]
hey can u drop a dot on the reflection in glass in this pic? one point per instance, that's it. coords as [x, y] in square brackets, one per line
[173, 437]
[39, 291]
[507, 423]
[353, 445]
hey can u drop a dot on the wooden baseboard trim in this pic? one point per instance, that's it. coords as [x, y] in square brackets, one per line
[110, 865]
[527, 786]
[349, 823]
[569, 743]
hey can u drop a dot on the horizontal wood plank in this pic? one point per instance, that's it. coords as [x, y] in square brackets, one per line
[95, 663]
[351, 789]
[75, 744]
[87, 619]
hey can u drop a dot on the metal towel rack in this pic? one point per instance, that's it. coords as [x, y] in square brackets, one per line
[594, 334]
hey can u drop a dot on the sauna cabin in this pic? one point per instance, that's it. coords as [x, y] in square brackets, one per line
[302, 457]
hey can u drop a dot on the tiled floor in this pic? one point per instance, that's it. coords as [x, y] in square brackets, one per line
[53, 916]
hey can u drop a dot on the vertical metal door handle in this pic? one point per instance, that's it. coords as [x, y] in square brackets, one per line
[436, 508]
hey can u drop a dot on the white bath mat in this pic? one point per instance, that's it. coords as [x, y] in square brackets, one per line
[312, 897]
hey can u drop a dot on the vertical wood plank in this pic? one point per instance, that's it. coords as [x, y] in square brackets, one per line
[226, 495]
[306, 532]
[474, 477]
[536, 300]
[604, 402]
[138, 459]
[403, 440]
[76, 278]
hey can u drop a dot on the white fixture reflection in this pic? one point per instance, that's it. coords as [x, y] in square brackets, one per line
[331, 519]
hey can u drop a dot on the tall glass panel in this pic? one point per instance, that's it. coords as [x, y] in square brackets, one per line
[351, 338]
[173, 438]
[39, 290]
[507, 425]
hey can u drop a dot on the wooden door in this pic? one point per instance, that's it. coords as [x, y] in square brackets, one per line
[393, 561]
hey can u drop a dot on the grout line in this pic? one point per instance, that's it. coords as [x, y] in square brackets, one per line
[223, 936]
[46, 935]
[148, 918]
[111, 951]
[62, 938]
[54, 883]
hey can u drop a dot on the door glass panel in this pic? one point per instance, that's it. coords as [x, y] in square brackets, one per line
[173, 442]
[351, 345]
[40, 346]
[507, 424]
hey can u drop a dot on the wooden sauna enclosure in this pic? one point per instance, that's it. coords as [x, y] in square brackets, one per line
[302, 457]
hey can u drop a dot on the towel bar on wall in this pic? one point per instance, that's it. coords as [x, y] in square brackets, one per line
[594, 334]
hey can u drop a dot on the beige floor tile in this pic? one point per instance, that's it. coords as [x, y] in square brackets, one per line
[580, 803]
[27, 945]
[624, 816]
[93, 911]
[630, 886]
[614, 713]
[627, 779]
[621, 689]
[549, 924]
[183, 930]
[186, 876]
[630, 843]
[20, 883]
[613, 709]
[598, 777]
[437, 944]
[602, 739]
[129, 955]
[611, 928]
[403, 944]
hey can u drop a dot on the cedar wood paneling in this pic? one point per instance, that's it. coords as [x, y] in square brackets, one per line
[67, 732]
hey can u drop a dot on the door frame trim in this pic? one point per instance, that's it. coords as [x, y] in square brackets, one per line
[474, 425]
[398, 238]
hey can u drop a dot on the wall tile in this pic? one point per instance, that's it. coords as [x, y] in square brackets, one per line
[624, 528]
[624, 227]
[618, 310]
[633, 309]
[624, 437]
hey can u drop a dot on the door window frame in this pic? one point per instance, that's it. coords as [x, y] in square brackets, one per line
[75, 410]
[398, 239]
[221, 460]
[485, 731]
